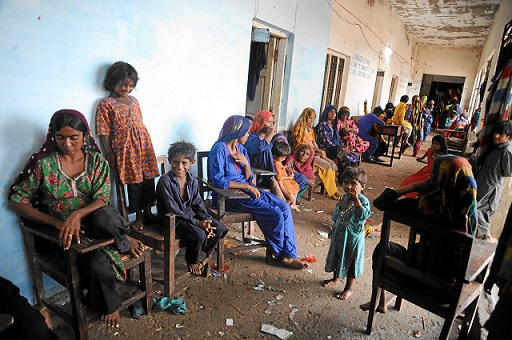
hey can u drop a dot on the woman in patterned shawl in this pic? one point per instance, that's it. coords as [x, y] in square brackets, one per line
[67, 184]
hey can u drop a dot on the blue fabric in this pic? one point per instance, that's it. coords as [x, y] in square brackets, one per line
[175, 306]
[260, 152]
[234, 127]
[272, 214]
[365, 123]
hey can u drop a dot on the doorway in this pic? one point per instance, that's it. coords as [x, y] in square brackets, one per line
[266, 72]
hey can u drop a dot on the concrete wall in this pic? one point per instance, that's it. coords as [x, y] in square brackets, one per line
[448, 61]
[192, 58]
[361, 31]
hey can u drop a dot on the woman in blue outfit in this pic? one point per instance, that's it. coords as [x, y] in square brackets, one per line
[229, 167]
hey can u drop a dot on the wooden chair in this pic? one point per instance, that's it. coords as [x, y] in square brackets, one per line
[415, 279]
[457, 140]
[218, 211]
[160, 237]
[62, 267]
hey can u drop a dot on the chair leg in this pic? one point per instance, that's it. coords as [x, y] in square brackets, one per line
[469, 317]
[207, 264]
[146, 281]
[169, 255]
[398, 303]
[373, 307]
[76, 297]
[220, 254]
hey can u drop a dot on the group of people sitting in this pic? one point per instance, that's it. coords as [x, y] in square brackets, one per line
[67, 185]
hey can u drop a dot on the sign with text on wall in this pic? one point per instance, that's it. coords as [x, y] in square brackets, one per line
[360, 67]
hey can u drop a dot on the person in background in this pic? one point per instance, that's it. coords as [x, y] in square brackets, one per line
[369, 126]
[399, 119]
[284, 175]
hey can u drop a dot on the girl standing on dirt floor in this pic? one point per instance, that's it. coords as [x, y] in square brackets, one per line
[346, 251]
[126, 140]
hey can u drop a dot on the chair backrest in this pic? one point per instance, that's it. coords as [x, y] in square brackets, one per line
[122, 202]
[436, 262]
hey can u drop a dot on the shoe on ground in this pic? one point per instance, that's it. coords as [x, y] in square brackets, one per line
[367, 160]
[379, 160]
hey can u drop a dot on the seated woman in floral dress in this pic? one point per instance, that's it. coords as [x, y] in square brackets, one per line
[67, 184]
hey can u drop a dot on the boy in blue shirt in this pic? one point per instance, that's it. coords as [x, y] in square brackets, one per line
[178, 193]
[491, 177]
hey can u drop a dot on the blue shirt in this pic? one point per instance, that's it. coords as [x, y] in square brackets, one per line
[365, 123]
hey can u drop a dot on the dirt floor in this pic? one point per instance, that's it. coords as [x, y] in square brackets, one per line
[253, 293]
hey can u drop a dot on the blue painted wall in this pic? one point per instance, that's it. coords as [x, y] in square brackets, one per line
[192, 58]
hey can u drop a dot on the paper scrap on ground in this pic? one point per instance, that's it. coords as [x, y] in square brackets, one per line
[323, 234]
[281, 333]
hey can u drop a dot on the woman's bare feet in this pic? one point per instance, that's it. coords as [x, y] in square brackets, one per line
[344, 295]
[112, 319]
[136, 247]
[195, 268]
[332, 281]
[294, 263]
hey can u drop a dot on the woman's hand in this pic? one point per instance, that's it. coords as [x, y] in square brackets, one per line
[70, 228]
[253, 190]
[240, 158]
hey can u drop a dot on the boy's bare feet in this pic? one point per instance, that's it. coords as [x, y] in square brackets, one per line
[332, 281]
[294, 263]
[195, 268]
[112, 319]
[136, 247]
[295, 207]
[344, 295]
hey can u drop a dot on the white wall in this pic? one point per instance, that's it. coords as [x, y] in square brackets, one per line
[361, 32]
[448, 61]
[192, 58]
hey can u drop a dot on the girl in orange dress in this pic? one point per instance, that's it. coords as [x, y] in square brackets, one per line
[284, 175]
[126, 140]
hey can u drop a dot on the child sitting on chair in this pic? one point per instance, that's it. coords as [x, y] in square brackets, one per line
[178, 193]
[284, 175]
[346, 251]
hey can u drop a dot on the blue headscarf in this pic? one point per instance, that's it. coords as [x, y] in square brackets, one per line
[334, 124]
[234, 127]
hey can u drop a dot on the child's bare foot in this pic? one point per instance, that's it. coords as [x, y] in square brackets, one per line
[344, 295]
[380, 309]
[136, 247]
[195, 268]
[295, 207]
[332, 281]
[138, 224]
[150, 218]
[294, 263]
[112, 319]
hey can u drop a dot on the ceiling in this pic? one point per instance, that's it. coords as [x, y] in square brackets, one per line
[461, 23]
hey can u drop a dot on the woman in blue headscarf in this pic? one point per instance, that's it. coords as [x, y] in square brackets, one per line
[229, 167]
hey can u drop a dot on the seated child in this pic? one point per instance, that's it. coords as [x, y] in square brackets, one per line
[284, 175]
[178, 193]
[346, 251]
